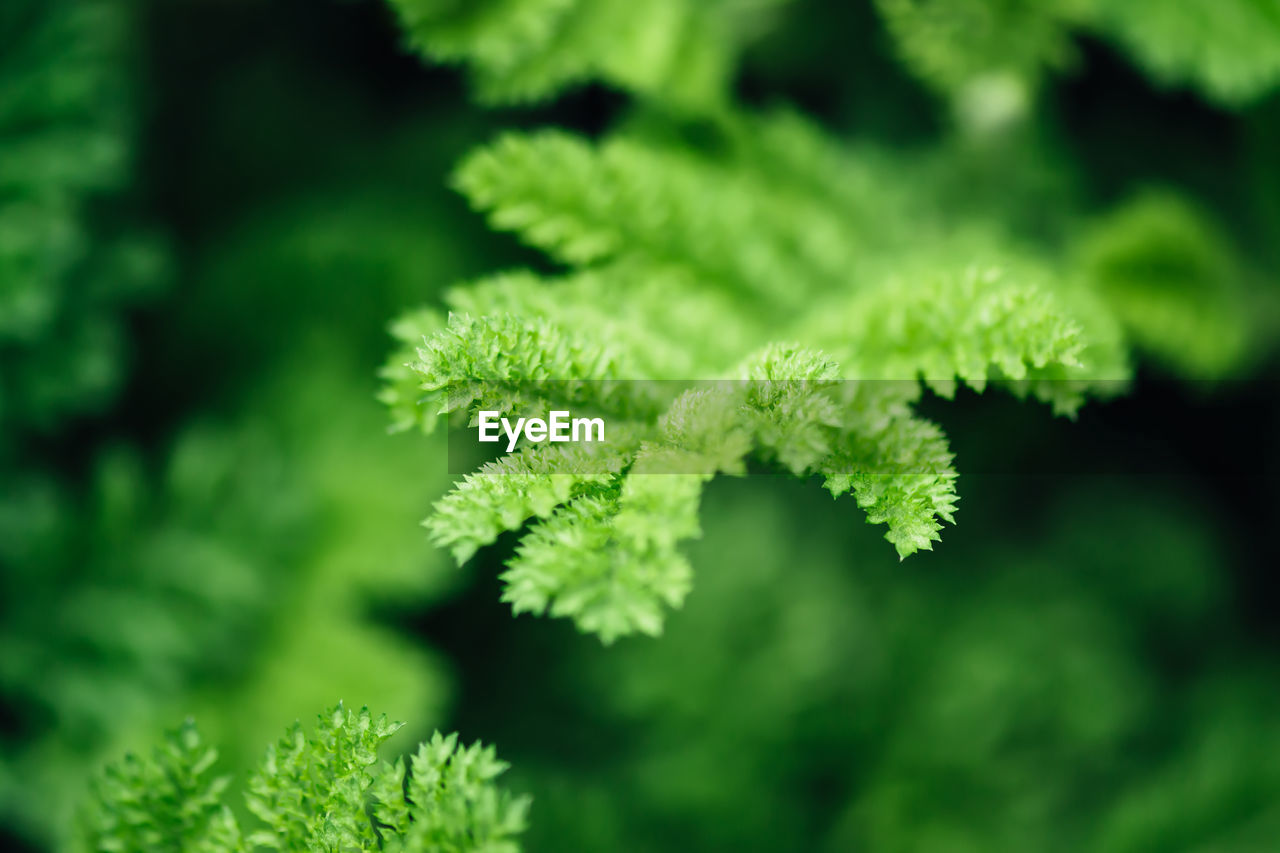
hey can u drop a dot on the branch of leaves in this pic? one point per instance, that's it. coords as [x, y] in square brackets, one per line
[608, 520]
[326, 791]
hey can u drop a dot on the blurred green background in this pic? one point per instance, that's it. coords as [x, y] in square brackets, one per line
[209, 212]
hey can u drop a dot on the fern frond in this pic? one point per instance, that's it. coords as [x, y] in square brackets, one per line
[897, 465]
[968, 324]
[705, 430]
[861, 436]
[650, 316]
[327, 791]
[491, 33]
[608, 556]
[528, 50]
[793, 418]
[168, 803]
[768, 231]
[312, 790]
[506, 493]
[624, 199]
[776, 233]
[976, 324]
[446, 799]
[608, 560]
[507, 363]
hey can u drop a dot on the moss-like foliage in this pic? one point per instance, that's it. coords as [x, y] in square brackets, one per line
[708, 267]
[699, 240]
[323, 791]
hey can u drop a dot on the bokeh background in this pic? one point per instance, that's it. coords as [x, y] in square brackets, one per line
[209, 212]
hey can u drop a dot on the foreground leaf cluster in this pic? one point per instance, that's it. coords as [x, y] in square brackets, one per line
[817, 336]
[327, 791]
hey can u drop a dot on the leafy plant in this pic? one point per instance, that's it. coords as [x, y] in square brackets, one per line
[989, 55]
[243, 557]
[747, 238]
[327, 791]
[524, 50]
[826, 284]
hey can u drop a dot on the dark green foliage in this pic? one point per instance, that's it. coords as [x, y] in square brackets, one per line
[153, 578]
[156, 583]
[1014, 696]
[66, 270]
